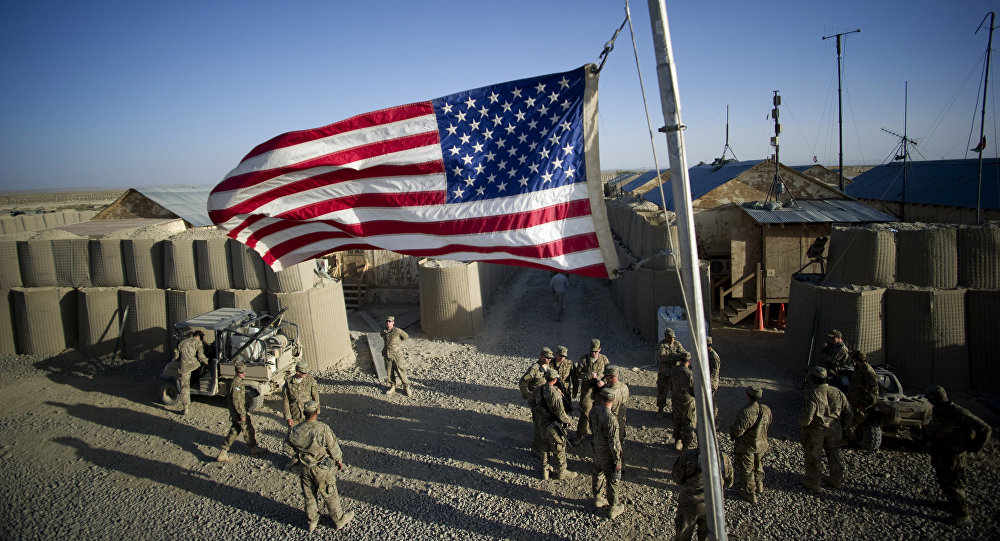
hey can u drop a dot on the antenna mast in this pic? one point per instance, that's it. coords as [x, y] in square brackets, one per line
[840, 104]
[722, 160]
[777, 185]
[904, 144]
[982, 117]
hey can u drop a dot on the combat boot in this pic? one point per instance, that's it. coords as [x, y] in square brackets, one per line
[343, 520]
[545, 473]
[184, 410]
[601, 502]
[615, 511]
[257, 450]
[223, 456]
[813, 486]
[760, 487]
[390, 390]
[312, 524]
[565, 474]
[679, 445]
[406, 391]
[748, 496]
[835, 483]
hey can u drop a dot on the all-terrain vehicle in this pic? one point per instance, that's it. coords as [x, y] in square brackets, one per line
[894, 413]
[267, 345]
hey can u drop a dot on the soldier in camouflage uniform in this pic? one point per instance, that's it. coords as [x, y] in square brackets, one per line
[619, 405]
[954, 433]
[299, 389]
[714, 366]
[685, 422]
[239, 416]
[590, 369]
[834, 353]
[191, 354]
[393, 353]
[749, 433]
[669, 353]
[607, 455]
[862, 393]
[547, 403]
[569, 380]
[316, 451]
[533, 378]
[824, 414]
[691, 501]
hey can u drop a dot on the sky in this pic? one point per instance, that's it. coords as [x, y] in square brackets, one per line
[119, 94]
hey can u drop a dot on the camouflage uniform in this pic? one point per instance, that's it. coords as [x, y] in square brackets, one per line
[607, 457]
[588, 386]
[619, 406]
[296, 392]
[191, 353]
[954, 432]
[547, 403]
[239, 416]
[685, 422]
[533, 378]
[824, 413]
[714, 366]
[393, 353]
[318, 453]
[833, 356]
[569, 380]
[862, 393]
[749, 433]
[667, 356]
[691, 501]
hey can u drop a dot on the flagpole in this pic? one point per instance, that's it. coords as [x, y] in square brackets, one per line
[690, 279]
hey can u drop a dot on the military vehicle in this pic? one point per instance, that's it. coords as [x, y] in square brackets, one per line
[267, 345]
[895, 413]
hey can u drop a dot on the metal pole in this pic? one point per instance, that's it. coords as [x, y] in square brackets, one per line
[982, 118]
[840, 107]
[690, 280]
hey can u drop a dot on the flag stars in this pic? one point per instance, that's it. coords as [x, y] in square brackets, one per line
[454, 150]
[506, 106]
[460, 116]
[501, 165]
[510, 128]
[553, 97]
[570, 172]
[523, 180]
[483, 111]
[478, 147]
[446, 108]
[491, 178]
[451, 129]
[512, 152]
[490, 156]
[568, 149]
[532, 124]
[470, 103]
[479, 169]
[564, 82]
[554, 139]
[520, 115]
[523, 138]
[547, 177]
[467, 159]
[557, 163]
[474, 124]
[566, 125]
[565, 104]
[530, 102]
[516, 92]
[502, 186]
[501, 142]
[488, 134]
[457, 171]
[465, 138]
[521, 159]
[532, 145]
[533, 167]
[544, 153]
[469, 181]
[540, 88]
[497, 120]
[481, 190]
[494, 97]
[553, 119]
[542, 110]
[458, 193]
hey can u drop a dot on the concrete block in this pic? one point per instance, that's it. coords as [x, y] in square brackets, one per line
[982, 320]
[927, 257]
[143, 263]
[925, 338]
[212, 260]
[145, 327]
[179, 270]
[72, 260]
[8, 339]
[107, 266]
[249, 270]
[321, 316]
[44, 319]
[298, 277]
[10, 266]
[979, 257]
[450, 299]
[38, 266]
[98, 321]
[248, 299]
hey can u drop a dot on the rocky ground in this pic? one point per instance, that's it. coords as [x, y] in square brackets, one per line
[87, 453]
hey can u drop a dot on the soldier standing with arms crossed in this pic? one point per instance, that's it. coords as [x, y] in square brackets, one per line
[590, 369]
[824, 414]
[607, 455]
[239, 416]
[547, 403]
[393, 353]
[316, 451]
[300, 387]
[669, 353]
[749, 433]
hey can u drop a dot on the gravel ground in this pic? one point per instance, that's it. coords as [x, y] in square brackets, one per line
[86, 452]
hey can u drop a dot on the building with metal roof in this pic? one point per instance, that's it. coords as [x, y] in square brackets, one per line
[188, 202]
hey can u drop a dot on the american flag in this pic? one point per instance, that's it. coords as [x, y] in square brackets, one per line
[507, 173]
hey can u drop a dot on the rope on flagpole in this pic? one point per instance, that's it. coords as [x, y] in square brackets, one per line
[609, 46]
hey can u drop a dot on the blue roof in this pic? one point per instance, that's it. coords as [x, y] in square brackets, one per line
[642, 179]
[703, 179]
[953, 183]
[619, 178]
[817, 211]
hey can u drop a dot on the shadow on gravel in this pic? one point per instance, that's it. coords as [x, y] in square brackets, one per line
[421, 507]
[887, 502]
[194, 482]
[90, 375]
[185, 436]
[472, 391]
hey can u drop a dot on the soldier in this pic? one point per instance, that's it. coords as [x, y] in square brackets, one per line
[607, 455]
[191, 353]
[533, 378]
[393, 353]
[824, 414]
[714, 366]
[569, 381]
[954, 433]
[619, 405]
[691, 501]
[314, 448]
[299, 388]
[239, 416]
[590, 369]
[749, 433]
[547, 403]
[834, 353]
[669, 353]
[862, 393]
[559, 284]
[685, 422]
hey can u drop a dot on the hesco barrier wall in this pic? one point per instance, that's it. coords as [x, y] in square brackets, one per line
[925, 336]
[799, 336]
[179, 271]
[10, 266]
[38, 266]
[856, 312]
[44, 319]
[321, 316]
[107, 268]
[143, 263]
[72, 261]
[248, 299]
[642, 292]
[18, 224]
[927, 257]
[212, 262]
[982, 330]
[453, 295]
[98, 321]
[291, 279]
[248, 268]
[185, 304]
[145, 332]
[862, 255]
[979, 257]
[8, 340]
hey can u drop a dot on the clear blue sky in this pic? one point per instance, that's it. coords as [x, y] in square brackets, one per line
[142, 93]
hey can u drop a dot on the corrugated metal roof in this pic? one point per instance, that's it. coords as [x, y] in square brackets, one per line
[818, 211]
[621, 180]
[188, 201]
[703, 179]
[642, 179]
[953, 183]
